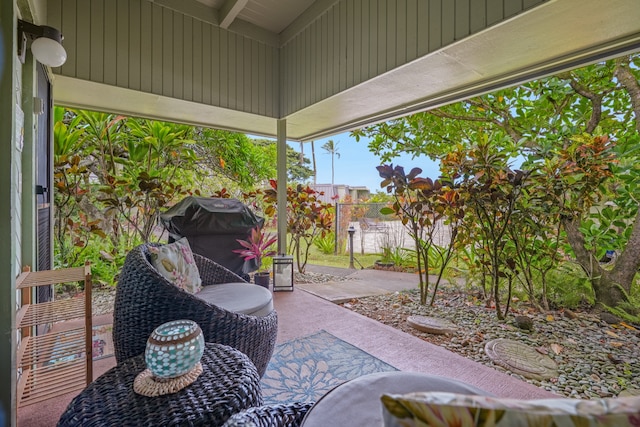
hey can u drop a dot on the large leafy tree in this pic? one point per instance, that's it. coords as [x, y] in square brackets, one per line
[235, 157]
[580, 128]
[298, 169]
[114, 174]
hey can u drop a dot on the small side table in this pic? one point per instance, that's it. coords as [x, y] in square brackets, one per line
[228, 384]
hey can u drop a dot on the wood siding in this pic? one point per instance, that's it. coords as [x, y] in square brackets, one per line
[356, 40]
[139, 45]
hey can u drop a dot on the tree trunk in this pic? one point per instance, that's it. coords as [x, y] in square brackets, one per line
[607, 291]
[610, 287]
[313, 157]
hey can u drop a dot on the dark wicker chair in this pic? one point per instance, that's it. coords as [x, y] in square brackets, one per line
[145, 300]
[285, 415]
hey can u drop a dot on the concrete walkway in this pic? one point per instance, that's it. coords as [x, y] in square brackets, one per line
[361, 283]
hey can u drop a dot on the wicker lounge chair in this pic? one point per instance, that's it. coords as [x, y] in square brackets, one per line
[286, 415]
[145, 300]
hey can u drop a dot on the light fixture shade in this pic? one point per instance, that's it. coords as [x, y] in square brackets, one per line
[48, 52]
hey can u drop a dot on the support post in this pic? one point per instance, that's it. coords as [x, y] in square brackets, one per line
[282, 186]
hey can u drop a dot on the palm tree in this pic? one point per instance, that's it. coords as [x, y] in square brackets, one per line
[313, 156]
[331, 148]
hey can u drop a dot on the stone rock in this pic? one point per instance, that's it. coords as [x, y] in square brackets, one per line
[521, 359]
[609, 318]
[630, 392]
[570, 314]
[524, 322]
[431, 325]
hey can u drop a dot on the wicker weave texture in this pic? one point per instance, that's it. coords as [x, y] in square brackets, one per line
[290, 415]
[229, 384]
[145, 300]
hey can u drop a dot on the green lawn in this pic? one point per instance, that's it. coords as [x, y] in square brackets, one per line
[318, 258]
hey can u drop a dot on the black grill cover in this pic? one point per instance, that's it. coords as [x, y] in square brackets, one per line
[212, 226]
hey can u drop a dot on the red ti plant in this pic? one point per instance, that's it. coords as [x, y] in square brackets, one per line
[256, 247]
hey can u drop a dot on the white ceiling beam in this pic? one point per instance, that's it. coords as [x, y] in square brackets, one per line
[230, 10]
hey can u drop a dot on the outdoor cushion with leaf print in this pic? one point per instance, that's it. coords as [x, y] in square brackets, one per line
[449, 409]
[175, 262]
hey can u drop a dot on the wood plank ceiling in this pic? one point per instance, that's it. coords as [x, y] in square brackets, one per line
[326, 66]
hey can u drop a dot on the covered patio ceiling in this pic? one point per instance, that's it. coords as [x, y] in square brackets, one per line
[553, 36]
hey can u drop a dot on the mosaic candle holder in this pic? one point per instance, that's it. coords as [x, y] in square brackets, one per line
[174, 348]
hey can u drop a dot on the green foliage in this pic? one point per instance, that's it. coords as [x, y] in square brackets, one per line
[113, 175]
[577, 134]
[257, 246]
[307, 217]
[298, 169]
[569, 287]
[401, 257]
[625, 311]
[422, 205]
[145, 174]
[325, 244]
[380, 197]
[235, 157]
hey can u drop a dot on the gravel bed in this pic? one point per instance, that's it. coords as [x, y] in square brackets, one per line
[595, 359]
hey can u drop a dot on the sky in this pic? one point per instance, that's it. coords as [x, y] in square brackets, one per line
[356, 165]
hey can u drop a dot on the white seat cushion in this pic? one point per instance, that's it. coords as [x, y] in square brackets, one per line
[245, 298]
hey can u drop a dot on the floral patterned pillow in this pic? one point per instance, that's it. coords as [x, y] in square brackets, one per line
[449, 409]
[175, 262]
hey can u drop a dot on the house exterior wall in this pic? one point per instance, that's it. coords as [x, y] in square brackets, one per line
[17, 191]
[10, 71]
[140, 45]
[356, 40]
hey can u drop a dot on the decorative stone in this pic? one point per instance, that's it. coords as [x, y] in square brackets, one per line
[630, 392]
[431, 325]
[609, 318]
[521, 359]
[524, 322]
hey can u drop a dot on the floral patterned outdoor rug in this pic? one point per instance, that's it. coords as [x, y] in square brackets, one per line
[304, 369]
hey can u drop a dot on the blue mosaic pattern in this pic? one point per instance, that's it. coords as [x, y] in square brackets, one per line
[303, 370]
[168, 357]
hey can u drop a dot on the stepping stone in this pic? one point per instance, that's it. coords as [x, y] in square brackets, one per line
[432, 325]
[630, 392]
[521, 359]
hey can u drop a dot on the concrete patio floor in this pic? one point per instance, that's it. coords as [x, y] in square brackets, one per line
[309, 309]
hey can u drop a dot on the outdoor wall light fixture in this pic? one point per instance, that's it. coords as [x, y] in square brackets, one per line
[46, 46]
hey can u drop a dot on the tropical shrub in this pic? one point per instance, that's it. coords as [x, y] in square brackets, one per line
[307, 218]
[325, 244]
